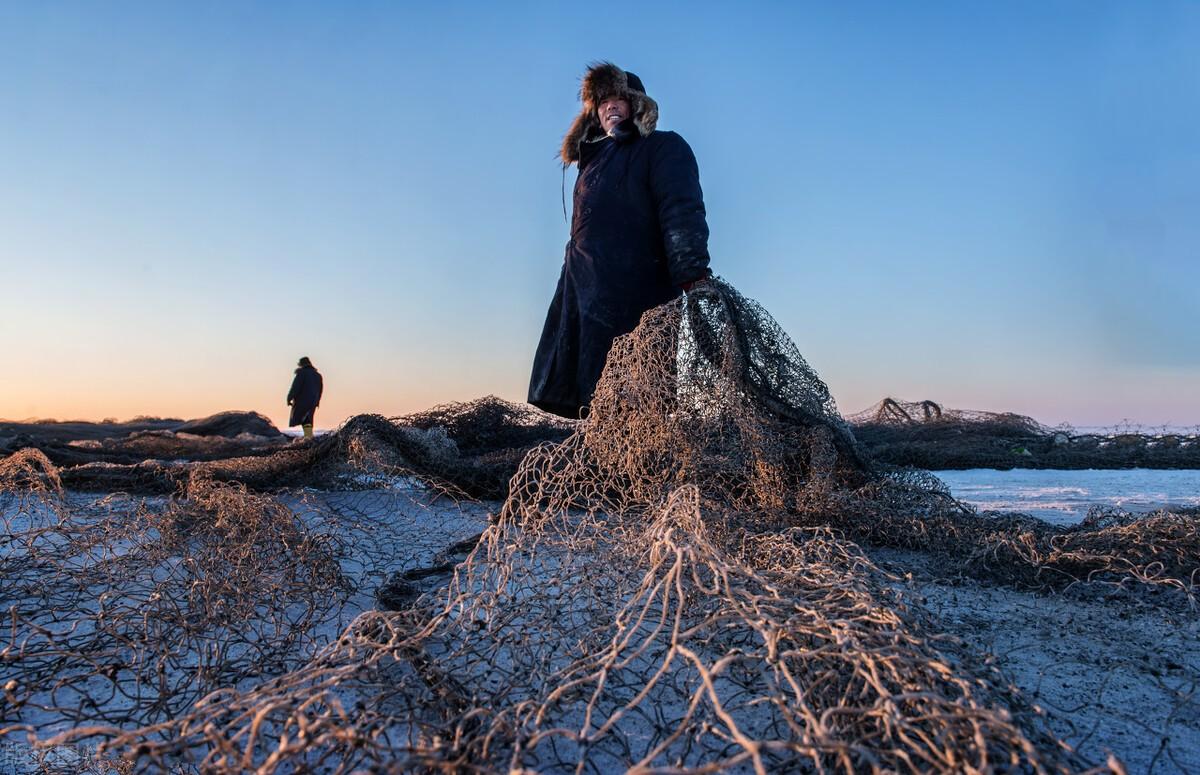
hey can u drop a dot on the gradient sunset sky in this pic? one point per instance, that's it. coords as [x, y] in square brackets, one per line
[995, 206]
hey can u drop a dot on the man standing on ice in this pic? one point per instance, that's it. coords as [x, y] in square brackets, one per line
[638, 235]
[305, 396]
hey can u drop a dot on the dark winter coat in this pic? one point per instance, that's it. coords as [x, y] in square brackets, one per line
[638, 232]
[305, 395]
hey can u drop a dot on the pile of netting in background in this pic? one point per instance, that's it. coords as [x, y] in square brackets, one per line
[924, 434]
[108, 442]
[466, 450]
[672, 586]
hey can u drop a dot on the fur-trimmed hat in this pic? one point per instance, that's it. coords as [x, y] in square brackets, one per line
[602, 81]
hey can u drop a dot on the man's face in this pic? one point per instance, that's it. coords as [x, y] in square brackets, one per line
[612, 112]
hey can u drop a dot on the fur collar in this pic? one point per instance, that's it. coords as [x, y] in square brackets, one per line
[601, 81]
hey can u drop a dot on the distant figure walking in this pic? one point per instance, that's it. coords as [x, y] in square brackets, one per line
[305, 396]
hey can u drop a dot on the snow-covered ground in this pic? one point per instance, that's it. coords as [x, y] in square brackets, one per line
[1111, 674]
[1064, 497]
[298, 432]
[373, 533]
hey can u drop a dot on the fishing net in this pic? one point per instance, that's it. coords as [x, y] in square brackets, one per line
[924, 434]
[672, 584]
[123, 612]
[465, 450]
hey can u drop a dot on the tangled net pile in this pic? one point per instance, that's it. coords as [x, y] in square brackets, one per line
[465, 450]
[672, 586]
[925, 434]
[126, 612]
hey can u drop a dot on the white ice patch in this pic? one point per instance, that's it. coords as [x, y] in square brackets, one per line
[1064, 497]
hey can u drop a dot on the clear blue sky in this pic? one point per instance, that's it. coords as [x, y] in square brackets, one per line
[996, 206]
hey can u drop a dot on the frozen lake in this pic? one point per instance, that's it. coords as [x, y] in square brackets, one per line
[1063, 497]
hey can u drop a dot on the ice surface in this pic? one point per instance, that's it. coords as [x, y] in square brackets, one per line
[1064, 497]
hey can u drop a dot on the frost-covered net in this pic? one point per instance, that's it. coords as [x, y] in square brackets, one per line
[672, 586]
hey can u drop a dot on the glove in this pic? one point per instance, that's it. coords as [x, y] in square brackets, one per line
[690, 284]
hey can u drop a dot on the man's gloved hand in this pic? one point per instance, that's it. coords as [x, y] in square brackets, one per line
[690, 284]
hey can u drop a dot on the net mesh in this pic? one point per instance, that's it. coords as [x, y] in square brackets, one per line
[673, 584]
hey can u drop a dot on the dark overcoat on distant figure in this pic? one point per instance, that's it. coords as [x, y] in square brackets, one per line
[305, 395]
[638, 233]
